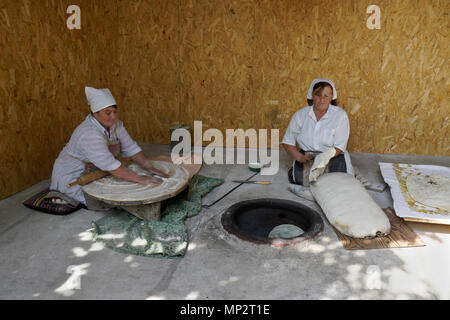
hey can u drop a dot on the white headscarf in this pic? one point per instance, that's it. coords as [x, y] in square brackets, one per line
[313, 83]
[99, 99]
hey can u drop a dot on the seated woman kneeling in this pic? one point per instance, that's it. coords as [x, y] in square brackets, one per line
[321, 128]
[98, 142]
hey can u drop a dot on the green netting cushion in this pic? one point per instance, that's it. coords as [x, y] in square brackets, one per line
[123, 232]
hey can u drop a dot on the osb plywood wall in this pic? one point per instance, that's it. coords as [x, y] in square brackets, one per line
[230, 63]
[148, 55]
[44, 67]
[249, 64]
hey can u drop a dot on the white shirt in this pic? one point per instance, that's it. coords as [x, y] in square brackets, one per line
[89, 143]
[332, 130]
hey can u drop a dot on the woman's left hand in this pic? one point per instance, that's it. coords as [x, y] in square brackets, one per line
[146, 163]
[153, 170]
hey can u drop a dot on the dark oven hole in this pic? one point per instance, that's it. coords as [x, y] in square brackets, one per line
[253, 220]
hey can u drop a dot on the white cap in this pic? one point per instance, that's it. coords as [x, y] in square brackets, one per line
[99, 99]
[313, 83]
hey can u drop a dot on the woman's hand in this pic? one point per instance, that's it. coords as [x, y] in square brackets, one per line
[148, 180]
[124, 173]
[297, 155]
[145, 163]
[305, 157]
[153, 170]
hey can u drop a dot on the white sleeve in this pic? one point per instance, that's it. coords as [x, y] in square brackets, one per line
[96, 150]
[342, 133]
[128, 146]
[292, 131]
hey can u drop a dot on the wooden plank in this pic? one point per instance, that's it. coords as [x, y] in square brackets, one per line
[401, 236]
[444, 222]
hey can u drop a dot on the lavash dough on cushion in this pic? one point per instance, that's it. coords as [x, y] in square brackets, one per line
[430, 190]
[320, 163]
[349, 207]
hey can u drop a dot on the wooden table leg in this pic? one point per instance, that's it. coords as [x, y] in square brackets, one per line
[150, 211]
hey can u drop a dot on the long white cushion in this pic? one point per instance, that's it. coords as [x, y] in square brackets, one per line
[349, 207]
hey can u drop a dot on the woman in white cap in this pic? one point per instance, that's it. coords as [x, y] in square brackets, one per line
[97, 142]
[321, 130]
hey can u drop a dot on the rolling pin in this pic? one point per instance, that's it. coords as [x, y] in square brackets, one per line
[257, 182]
[94, 175]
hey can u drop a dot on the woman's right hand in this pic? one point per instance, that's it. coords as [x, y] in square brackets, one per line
[297, 155]
[305, 157]
[148, 180]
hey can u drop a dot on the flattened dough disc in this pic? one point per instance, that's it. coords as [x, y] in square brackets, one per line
[122, 192]
[430, 190]
[285, 231]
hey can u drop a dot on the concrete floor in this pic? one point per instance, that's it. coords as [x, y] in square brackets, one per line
[51, 257]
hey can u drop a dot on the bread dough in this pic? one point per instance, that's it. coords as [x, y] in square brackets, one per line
[320, 163]
[349, 207]
[285, 231]
[430, 190]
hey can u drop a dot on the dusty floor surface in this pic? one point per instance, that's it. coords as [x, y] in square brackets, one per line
[51, 257]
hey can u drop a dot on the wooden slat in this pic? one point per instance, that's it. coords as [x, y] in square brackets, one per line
[444, 222]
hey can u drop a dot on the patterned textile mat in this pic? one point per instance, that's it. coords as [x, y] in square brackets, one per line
[42, 201]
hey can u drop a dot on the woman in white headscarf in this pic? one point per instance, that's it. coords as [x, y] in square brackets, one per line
[98, 142]
[321, 130]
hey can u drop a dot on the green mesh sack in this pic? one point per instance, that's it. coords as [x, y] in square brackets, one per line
[123, 232]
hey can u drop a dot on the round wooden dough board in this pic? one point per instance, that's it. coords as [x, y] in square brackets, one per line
[113, 190]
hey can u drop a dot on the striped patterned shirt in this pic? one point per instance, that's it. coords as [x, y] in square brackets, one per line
[89, 143]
